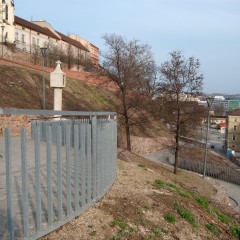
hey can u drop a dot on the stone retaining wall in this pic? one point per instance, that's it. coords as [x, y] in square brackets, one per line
[15, 122]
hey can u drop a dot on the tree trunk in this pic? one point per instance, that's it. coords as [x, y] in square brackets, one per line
[126, 119]
[177, 148]
[177, 140]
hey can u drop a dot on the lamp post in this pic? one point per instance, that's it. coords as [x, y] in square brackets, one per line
[2, 37]
[209, 104]
[44, 52]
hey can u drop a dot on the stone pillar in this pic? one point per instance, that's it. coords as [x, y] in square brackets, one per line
[58, 82]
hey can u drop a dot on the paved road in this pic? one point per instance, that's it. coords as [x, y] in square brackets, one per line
[232, 190]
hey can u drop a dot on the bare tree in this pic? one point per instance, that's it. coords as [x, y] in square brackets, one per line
[178, 77]
[131, 66]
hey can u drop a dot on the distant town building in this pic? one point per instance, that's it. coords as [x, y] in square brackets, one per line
[221, 101]
[233, 131]
[30, 36]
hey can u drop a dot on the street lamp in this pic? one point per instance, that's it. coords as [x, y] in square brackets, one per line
[2, 37]
[209, 104]
[44, 53]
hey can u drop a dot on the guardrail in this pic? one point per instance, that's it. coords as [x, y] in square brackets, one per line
[57, 172]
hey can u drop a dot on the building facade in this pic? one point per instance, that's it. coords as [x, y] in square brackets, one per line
[31, 36]
[233, 133]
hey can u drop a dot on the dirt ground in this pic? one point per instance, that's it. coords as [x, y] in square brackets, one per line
[137, 207]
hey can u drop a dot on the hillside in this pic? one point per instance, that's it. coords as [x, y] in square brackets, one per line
[22, 88]
[147, 201]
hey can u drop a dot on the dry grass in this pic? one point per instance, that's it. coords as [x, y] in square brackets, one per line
[135, 207]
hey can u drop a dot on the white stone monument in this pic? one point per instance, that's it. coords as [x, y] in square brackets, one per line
[58, 82]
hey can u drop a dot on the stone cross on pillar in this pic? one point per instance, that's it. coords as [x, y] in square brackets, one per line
[58, 82]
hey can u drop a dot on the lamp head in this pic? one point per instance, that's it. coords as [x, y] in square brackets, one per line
[209, 101]
[43, 51]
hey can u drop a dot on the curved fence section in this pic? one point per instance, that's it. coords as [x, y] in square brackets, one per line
[214, 170]
[55, 173]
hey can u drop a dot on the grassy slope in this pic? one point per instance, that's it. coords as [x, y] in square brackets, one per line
[22, 88]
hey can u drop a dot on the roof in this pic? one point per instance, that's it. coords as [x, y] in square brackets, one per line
[47, 32]
[223, 124]
[235, 113]
[72, 41]
[35, 27]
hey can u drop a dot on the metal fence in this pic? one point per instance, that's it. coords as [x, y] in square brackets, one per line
[52, 176]
[214, 170]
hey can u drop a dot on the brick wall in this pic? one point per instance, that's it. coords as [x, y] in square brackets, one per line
[15, 123]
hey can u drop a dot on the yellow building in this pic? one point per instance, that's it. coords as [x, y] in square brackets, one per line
[233, 132]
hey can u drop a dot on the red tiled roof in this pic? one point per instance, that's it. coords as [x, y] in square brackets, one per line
[72, 41]
[223, 124]
[35, 27]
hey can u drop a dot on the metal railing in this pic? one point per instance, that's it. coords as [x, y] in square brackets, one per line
[55, 174]
[214, 170]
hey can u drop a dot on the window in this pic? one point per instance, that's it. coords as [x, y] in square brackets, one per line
[235, 127]
[33, 40]
[38, 42]
[3, 1]
[23, 38]
[16, 36]
[23, 28]
[234, 138]
[6, 11]
[235, 119]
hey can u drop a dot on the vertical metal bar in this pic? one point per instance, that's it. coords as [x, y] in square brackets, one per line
[83, 163]
[9, 183]
[76, 168]
[49, 174]
[206, 146]
[94, 156]
[68, 173]
[59, 170]
[37, 179]
[24, 182]
[89, 165]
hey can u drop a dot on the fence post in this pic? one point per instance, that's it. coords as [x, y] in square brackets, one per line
[24, 183]
[49, 174]
[9, 183]
[76, 167]
[94, 156]
[37, 178]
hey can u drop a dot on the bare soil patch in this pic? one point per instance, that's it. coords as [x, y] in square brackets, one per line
[136, 207]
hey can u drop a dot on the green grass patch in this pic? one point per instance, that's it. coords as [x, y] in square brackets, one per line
[139, 211]
[159, 183]
[170, 218]
[187, 216]
[170, 187]
[141, 165]
[157, 232]
[212, 228]
[93, 233]
[203, 202]
[120, 224]
[176, 203]
[166, 231]
[236, 232]
[222, 217]
[143, 222]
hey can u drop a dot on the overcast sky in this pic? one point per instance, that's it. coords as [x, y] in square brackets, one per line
[206, 29]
